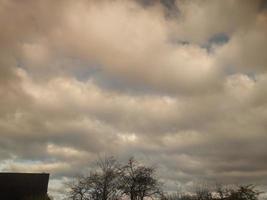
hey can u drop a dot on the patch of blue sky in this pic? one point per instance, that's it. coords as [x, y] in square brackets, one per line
[4, 165]
[79, 69]
[176, 41]
[92, 71]
[36, 160]
[84, 71]
[120, 84]
[216, 39]
[252, 75]
[219, 38]
[231, 70]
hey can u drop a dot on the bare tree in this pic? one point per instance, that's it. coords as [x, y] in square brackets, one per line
[80, 189]
[139, 182]
[110, 176]
[245, 192]
[203, 191]
[112, 181]
[101, 184]
[220, 192]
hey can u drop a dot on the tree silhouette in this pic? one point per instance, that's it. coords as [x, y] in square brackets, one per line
[114, 181]
[101, 184]
[247, 192]
[139, 182]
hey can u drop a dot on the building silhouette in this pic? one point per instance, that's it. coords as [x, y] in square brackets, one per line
[23, 186]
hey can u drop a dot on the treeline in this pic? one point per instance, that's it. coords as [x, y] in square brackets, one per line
[246, 192]
[112, 180]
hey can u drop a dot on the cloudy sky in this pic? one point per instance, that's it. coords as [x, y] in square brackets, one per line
[179, 84]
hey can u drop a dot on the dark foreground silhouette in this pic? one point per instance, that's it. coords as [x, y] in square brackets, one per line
[111, 180]
[23, 186]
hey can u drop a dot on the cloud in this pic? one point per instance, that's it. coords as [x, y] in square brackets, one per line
[180, 85]
[199, 21]
[127, 41]
[244, 52]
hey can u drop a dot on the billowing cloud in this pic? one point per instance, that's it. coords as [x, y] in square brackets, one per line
[180, 84]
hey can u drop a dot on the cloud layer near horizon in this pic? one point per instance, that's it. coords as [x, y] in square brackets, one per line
[177, 83]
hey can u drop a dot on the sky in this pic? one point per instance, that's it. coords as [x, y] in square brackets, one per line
[179, 84]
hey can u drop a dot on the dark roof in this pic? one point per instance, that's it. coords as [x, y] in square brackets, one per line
[17, 186]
